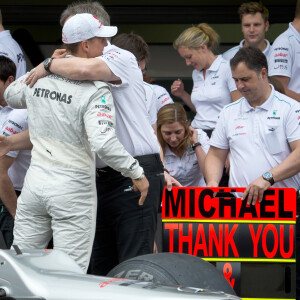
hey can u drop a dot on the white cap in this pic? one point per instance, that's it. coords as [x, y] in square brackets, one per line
[82, 27]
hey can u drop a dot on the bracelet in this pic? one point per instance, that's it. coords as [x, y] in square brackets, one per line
[195, 145]
[166, 170]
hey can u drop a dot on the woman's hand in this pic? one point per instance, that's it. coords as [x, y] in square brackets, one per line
[194, 135]
[177, 88]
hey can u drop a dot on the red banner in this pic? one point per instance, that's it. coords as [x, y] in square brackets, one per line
[197, 223]
[200, 204]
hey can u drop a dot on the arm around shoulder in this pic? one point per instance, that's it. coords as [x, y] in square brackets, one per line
[83, 69]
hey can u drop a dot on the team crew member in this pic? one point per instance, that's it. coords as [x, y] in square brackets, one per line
[261, 131]
[59, 195]
[254, 20]
[14, 165]
[284, 62]
[11, 49]
[156, 97]
[162, 95]
[151, 99]
[184, 147]
[129, 231]
[213, 86]
[134, 226]
[261, 127]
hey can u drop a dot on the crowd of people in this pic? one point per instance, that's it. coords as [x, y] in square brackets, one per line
[94, 97]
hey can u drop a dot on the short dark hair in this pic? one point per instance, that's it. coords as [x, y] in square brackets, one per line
[253, 58]
[7, 68]
[133, 43]
[253, 8]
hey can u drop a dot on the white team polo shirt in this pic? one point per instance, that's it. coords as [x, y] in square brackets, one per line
[229, 54]
[186, 170]
[13, 121]
[10, 48]
[211, 94]
[284, 59]
[162, 96]
[258, 138]
[133, 128]
[150, 101]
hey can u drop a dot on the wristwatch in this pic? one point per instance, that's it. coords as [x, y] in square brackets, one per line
[269, 177]
[141, 177]
[195, 145]
[166, 170]
[47, 64]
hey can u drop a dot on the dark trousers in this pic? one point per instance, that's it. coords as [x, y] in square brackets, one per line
[123, 228]
[7, 224]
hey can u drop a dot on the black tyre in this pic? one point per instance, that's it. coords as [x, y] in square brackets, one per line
[173, 268]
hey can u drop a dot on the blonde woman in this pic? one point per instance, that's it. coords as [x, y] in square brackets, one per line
[213, 86]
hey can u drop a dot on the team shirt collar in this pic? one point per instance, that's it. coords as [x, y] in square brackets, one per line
[267, 105]
[266, 50]
[5, 33]
[216, 64]
[295, 32]
[168, 151]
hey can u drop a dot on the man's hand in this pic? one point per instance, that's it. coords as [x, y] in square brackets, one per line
[170, 181]
[141, 185]
[255, 190]
[36, 74]
[40, 72]
[59, 53]
[5, 145]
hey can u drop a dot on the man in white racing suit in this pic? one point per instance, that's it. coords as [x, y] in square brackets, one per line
[68, 121]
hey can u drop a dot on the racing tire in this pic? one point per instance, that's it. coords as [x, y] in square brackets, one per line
[175, 269]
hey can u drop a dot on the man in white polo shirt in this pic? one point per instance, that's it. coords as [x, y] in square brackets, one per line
[254, 21]
[11, 49]
[284, 58]
[260, 132]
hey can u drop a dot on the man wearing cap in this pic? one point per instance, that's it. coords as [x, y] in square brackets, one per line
[133, 226]
[69, 120]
